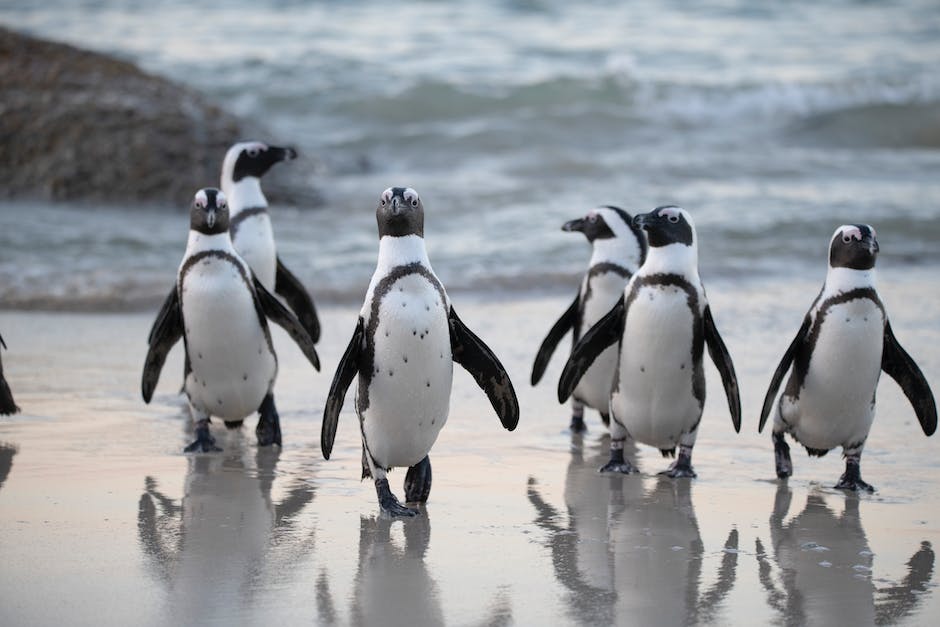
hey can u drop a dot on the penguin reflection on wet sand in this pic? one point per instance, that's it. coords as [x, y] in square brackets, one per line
[837, 357]
[820, 568]
[661, 325]
[221, 312]
[251, 230]
[7, 406]
[407, 337]
[619, 248]
[630, 553]
[227, 534]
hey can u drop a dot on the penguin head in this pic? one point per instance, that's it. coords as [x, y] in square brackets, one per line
[667, 225]
[612, 227]
[209, 212]
[252, 159]
[400, 213]
[853, 246]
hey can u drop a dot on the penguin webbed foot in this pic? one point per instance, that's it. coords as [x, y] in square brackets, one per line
[204, 443]
[679, 471]
[418, 482]
[389, 503]
[851, 479]
[682, 467]
[268, 430]
[782, 460]
[618, 464]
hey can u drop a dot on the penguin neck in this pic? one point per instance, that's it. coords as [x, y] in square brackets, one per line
[401, 251]
[672, 259]
[846, 279]
[200, 242]
[244, 194]
[613, 250]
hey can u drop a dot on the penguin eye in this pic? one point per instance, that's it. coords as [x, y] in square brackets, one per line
[199, 204]
[414, 202]
[846, 239]
[592, 217]
[673, 218]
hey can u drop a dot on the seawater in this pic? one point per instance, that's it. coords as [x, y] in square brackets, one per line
[771, 124]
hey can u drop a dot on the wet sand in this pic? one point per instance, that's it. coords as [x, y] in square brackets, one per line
[104, 521]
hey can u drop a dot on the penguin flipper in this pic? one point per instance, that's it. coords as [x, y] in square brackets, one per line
[781, 370]
[298, 299]
[608, 330]
[166, 332]
[719, 354]
[272, 308]
[7, 406]
[476, 358]
[565, 323]
[345, 372]
[901, 367]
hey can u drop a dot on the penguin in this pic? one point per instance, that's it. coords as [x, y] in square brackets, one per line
[835, 362]
[619, 248]
[7, 405]
[250, 226]
[661, 325]
[406, 339]
[221, 311]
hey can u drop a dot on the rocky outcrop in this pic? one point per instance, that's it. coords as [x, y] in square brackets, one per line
[81, 126]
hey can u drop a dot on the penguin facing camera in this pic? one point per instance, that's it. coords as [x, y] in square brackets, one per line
[403, 348]
[661, 325]
[835, 362]
[221, 311]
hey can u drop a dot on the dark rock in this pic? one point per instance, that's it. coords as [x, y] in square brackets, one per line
[81, 126]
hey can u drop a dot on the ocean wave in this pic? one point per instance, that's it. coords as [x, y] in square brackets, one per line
[892, 111]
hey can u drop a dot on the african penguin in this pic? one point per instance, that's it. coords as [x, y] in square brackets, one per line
[402, 350]
[221, 312]
[250, 226]
[662, 324]
[7, 406]
[619, 248]
[835, 362]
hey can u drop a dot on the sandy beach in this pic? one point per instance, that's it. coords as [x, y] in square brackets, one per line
[105, 521]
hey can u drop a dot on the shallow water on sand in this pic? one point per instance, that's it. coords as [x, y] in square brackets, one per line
[104, 521]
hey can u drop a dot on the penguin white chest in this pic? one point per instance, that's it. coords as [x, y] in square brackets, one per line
[602, 293]
[406, 401]
[837, 401]
[233, 367]
[653, 395]
[254, 241]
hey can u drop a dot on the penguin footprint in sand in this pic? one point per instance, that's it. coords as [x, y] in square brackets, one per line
[835, 362]
[221, 312]
[661, 326]
[406, 340]
[619, 248]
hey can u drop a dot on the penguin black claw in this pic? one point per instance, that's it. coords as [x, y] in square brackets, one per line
[418, 482]
[617, 463]
[782, 456]
[204, 443]
[389, 503]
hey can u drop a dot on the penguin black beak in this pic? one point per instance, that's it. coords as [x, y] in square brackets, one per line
[283, 154]
[872, 244]
[640, 221]
[210, 218]
[573, 225]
